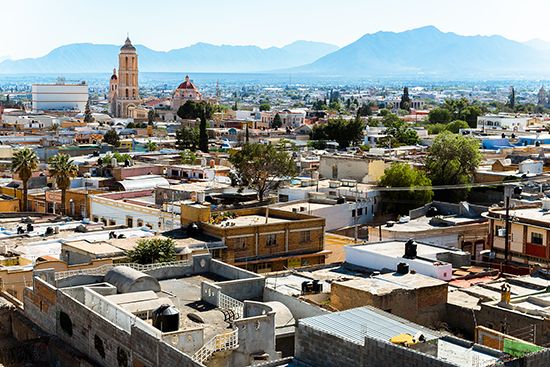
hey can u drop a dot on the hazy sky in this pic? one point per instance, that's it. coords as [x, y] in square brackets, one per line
[34, 27]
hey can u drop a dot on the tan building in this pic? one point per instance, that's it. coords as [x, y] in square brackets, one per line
[124, 88]
[529, 235]
[261, 239]
[186, 91]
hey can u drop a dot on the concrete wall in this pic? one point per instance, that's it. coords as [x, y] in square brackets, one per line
[256, 338]
[319, 349]
[106, 343]
[299, 309]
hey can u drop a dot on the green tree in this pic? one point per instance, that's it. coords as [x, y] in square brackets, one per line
[402, 175]
[398, 133]
[452, 160]
[364, 110]
[111, 137]
[512, 98]
[187, 138]
[62, 169]
[188, 157]
[153, 250]
[198, 110]
[261, 167]
[456, 125]
[439, 115]
[88, 113]
[151, 117]
[265, 107]
[24, 162]
[277, 122]
[405, 103]
[151, 146]
[344, 132]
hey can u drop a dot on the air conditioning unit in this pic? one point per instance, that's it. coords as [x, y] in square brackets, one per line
[501, 232]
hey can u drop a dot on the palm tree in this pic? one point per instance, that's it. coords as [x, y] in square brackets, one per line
[151, 146]
[24, 162]
[62, 168]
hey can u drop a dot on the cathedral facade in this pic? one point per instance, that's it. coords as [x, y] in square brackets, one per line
[124, 87]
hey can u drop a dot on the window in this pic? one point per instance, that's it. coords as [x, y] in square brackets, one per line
[353, 213]
[129, 222]
[140, 223]
[112, 222]
[95, 218]
[536, 238]
[271, 240]
[359, 212]
[305, 236]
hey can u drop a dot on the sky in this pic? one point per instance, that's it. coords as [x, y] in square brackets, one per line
[35, 27]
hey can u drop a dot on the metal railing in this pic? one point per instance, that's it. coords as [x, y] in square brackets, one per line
[220, 342]
[229, 303]
[103, 269]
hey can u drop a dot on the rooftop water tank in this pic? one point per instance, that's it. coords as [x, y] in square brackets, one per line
[166, 318]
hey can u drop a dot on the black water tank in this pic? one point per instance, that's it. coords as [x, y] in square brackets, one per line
[402, 268]
[410, 249]
[166, 318]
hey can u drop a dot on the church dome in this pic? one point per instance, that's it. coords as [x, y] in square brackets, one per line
[187, 84]
[128, 45]
[114, 77]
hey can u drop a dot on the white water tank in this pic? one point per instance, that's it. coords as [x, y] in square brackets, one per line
[545, 204]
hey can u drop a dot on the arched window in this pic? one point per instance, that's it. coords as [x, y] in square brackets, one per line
[127, 79]
[126, 62]
[126, 92]
[134, 93]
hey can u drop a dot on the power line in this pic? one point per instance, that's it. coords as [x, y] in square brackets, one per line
[459, 186]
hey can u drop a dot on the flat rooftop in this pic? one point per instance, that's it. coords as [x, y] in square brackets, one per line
[252, 220]
[397, 249]
[423, 224]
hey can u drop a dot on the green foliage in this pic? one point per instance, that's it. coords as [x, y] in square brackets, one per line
[453, 159]
[317, 144]
[277, 122]
[403, 175]
[88, 113]
[260, 167]
[384, 112]
[151, 117]
[111, 137]
[151, 146]
[265, 106]
[405, 103]
[512, 98]
[218, 217]
[434, 129]
[198, 110]
[62, 169]
[456, 125]
[24, 162]
[188, 157]
[398, 132]
[319, 105]
[120, 158]
[187, 138]
[153, 250]
[344, 132]
[439, 115]
[364, 110]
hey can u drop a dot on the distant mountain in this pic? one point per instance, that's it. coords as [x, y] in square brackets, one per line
[538, 44]
[430, 52]
[200, 57]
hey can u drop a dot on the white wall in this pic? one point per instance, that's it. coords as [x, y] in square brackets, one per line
[59, 96]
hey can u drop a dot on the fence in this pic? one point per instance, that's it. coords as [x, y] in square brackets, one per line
[220, 342]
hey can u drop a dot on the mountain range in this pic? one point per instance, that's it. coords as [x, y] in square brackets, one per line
[200, 57]
[425, 51]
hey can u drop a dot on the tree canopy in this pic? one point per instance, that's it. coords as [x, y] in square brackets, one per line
[24, 162]
[198, 110]
[403, 175]
[111, 137]
[452, 159]
[398, 133]
[277, 122]
[344, 132]
[153, 250]
[457, 109]
[187, 138]
[261, 167]
[265, 106]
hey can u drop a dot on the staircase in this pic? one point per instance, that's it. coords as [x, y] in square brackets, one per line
[220, 342]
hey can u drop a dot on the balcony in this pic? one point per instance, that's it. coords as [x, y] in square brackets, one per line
[535, 250]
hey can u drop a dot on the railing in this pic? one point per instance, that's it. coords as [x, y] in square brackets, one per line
[103, 269]
[229, 303]
[220, 342]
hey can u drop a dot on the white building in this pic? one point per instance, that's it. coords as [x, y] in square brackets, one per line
[59, 97]
[428, 260]
[508, 122]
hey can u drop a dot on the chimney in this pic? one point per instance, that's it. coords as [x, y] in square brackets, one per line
[410, 249]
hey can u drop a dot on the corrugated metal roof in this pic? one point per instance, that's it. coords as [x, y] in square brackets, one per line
[144, 183]
[358, 323]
